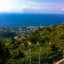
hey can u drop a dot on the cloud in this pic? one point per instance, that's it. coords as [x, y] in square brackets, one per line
[11, 5]
[23, 6]
[62, 10]
[43, 7]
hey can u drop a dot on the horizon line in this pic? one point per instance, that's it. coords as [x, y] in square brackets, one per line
[28, 13]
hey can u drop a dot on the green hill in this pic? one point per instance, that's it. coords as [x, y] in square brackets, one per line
[46, 43]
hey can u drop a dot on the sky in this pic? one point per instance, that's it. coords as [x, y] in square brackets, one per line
[31, 6]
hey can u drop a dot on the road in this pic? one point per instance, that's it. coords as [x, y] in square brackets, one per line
[60, 62]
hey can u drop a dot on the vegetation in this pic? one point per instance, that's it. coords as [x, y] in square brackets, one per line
[50, 46]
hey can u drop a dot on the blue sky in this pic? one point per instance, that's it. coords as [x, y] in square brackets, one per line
[32, 6]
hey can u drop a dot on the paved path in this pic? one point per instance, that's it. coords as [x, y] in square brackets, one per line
[60, 62]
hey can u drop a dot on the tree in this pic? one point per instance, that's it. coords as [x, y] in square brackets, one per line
[19, 55]
[4, 53]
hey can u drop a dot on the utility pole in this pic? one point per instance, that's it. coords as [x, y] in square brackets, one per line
[38, 44]
[30, 55]
[40, 56]
[29, 43]
[63, 53]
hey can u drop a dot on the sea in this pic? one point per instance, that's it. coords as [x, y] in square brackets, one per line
[18, 19]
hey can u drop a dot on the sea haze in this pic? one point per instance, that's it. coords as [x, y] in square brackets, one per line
[12, 20]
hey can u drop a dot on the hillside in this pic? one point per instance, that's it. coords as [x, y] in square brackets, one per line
[46, 44]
